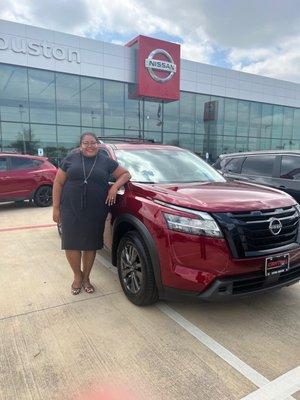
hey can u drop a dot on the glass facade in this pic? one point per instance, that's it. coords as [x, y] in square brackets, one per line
[49, 110]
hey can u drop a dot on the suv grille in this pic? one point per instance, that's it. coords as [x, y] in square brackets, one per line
[249, 234]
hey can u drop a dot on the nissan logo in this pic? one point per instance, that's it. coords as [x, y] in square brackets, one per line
[160, 65]
[275, 226]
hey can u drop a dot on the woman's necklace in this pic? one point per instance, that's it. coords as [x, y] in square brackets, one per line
[86, 177]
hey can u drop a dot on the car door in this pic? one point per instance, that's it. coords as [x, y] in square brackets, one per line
[231, 168]
[288, 177]
[21, 180]
[259, 169]
[4, 178]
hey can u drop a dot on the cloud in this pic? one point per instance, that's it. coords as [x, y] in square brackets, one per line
[257, 36]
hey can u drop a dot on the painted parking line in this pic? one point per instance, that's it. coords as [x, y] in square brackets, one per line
[278, 389]
[248, 372]
[20, 228]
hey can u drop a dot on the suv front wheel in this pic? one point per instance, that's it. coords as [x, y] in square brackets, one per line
[135, 270]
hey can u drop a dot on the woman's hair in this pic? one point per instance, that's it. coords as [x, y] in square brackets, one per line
[82, 136]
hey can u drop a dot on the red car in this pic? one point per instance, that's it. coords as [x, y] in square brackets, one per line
[179, 227]
[25, 177]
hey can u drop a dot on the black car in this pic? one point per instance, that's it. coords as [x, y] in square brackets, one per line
[277, 168]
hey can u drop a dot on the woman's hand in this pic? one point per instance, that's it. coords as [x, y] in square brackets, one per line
[111, 196]
[56, 215]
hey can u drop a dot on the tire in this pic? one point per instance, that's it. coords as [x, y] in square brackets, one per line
[135, 270]
[43, 196]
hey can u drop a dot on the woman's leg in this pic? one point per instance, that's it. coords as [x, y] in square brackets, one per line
[74, 259]
[88, 258]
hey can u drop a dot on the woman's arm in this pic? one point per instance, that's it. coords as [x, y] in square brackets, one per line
[58, 184]
[122, 176]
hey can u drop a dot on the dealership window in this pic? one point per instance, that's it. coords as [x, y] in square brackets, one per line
[287, 132]
[133, 112]
[241, 143]
[153, 118]
[14, 94]
[243, 118]
[171, 138]
[266, 120]
[44, 137]
[91, 90]
[255, 120]
[171, 116]
[296, 128]
[277, 122]
[187, 141]
[199, 140]
[187, 110]
[201, 100]
[114, 104]
[16, 137]
[42, 96]
[68, 99]
[68, 138]
[259, 165]
[155, 136]
[230, 117]
[229, 144]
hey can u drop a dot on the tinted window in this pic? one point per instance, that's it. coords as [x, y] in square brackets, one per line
[290, 167]
[259, 165]
[3, 166]
[234, 165]
[24, 163]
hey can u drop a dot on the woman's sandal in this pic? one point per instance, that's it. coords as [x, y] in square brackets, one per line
[75, 291]
[89, 288]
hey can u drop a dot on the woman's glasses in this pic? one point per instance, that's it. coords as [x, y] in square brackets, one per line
[87, 144]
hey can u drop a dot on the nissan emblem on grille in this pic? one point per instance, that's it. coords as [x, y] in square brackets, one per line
[167, 66]
[275, 226]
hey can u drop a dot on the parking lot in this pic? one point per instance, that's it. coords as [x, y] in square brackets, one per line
[57, 346]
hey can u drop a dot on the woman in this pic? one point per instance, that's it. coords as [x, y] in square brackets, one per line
[81, 200]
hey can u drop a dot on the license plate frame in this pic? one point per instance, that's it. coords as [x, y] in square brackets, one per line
[276, 264]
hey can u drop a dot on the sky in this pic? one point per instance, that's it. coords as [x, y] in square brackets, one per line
[257, 36]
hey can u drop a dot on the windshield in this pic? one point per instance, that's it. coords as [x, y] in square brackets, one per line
[166, 166]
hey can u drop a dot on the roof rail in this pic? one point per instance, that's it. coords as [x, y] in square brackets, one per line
[126, 139]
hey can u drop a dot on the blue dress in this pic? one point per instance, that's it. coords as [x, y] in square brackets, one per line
[82, 206]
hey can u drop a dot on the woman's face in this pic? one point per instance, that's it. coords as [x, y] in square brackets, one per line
[89, 146]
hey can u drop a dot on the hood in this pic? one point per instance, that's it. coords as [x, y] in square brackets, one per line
[217, 197]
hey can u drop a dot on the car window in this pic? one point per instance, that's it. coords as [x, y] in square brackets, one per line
[290, 167]
[167, 166]
[234, 165]
[259, 165]
[24, 163]
[3, 164]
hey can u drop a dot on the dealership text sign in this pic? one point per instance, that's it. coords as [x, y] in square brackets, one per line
[37, 48]
[157, 68]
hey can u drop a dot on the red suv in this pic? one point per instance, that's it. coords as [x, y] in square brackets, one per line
[178, 227]
[24, 177]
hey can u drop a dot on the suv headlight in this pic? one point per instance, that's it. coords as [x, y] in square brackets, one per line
[203, 224]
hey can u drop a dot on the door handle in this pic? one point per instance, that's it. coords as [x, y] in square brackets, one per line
[282, 187]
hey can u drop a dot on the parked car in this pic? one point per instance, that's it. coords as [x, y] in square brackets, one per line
[277, 168]
[25, 177]
[179, 228]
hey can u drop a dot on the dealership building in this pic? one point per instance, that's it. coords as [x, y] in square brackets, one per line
[54, 86]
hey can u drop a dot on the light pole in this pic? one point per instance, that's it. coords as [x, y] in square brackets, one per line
[21, 111]
[92, 118]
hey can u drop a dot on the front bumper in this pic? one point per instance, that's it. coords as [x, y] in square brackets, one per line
[240, 286]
